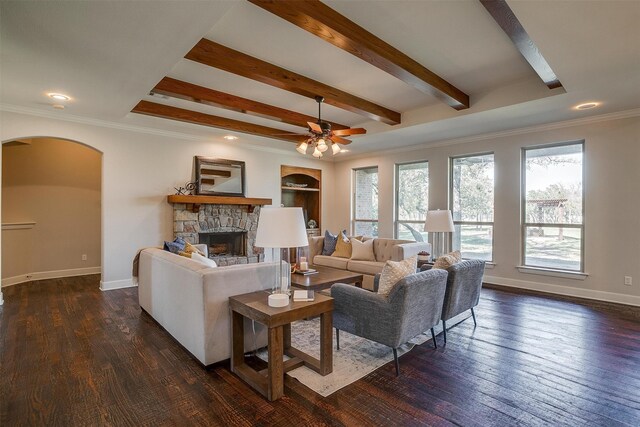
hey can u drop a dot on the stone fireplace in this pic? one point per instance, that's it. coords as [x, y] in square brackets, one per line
[229, 230]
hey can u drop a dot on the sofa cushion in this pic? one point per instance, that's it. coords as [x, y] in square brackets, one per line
[365, 267]
[331, 261]
[203, 260]
[394, 271]
[362, 251]
[176, 246]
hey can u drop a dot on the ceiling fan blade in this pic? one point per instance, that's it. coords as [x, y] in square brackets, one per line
[315, 127]
[347, 132]
[340, 140]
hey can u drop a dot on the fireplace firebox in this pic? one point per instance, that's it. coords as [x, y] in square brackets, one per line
[225, 243]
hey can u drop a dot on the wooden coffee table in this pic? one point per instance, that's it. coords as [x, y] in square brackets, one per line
[270, 382]
[324, 278]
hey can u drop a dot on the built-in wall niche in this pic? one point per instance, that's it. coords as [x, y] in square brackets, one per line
[302, 187]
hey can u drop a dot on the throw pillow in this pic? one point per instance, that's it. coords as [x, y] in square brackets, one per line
[343, 247]
[446, 261]
[189, 248]
[362, 251]
[203, 260]
[394, 271]
[176, 246]
[330, 241]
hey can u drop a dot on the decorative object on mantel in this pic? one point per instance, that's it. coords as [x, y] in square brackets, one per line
[278, 229]
[191, 187]
[294, 185]
[219, 177]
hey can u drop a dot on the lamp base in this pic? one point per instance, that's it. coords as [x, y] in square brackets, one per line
[278, 300]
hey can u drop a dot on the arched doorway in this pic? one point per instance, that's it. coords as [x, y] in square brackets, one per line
[51, 209]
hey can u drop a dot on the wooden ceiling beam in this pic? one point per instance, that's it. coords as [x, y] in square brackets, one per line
[191, 92]
[188, 116]
[507, 20]
[324, 22]
[218, 56]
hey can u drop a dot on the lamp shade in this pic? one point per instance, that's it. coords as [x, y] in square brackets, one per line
[439, 221]
[281, 228]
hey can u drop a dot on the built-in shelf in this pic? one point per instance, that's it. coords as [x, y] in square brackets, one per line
[300, 189]
[196, 201]
[18, 225]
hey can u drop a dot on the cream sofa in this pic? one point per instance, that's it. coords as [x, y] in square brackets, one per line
[191, 301]
[383, 249]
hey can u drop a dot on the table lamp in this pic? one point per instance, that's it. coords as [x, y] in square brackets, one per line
[281, 228]
[439, 222]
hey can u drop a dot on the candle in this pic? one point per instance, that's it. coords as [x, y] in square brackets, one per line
[304, 265]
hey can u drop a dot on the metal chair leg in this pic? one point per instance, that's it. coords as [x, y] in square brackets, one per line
[474, 317]
[444, 331]
[337, 339]
[395, 357]
[433, 337]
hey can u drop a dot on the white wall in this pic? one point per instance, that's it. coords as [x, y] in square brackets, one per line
[612, 203]
[140, 169]
[56, 184]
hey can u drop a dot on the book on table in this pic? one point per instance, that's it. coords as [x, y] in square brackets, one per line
[303, 295]
[306, 272]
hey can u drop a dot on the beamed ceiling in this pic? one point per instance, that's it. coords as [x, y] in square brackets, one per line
[408, 72]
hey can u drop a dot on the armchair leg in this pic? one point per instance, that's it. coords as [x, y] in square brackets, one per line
[395, 358]
[337, 339]
[444, 331]
[433, 337]
[474, 317]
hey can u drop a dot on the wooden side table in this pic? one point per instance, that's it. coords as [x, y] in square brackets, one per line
[270, 382]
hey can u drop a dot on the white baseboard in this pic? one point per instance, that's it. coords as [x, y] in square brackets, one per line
[116, 284]
[565, 290]
[29, 277]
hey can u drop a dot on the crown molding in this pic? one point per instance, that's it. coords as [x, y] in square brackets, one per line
[501, 134]
[127, 127]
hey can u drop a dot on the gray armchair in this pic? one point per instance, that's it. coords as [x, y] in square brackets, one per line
[463, 290]
[412, 307]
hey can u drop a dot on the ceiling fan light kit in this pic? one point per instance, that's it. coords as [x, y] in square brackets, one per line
[320, 133]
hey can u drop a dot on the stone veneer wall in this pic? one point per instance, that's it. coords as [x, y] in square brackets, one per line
[219, 218]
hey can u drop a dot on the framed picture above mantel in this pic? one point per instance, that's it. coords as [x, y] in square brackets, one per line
[219, 177]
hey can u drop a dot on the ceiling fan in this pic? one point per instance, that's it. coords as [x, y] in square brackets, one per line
[320, 132]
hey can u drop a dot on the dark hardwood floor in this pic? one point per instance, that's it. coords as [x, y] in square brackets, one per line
[72, 355]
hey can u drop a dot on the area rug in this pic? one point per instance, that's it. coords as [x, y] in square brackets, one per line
[356, 358]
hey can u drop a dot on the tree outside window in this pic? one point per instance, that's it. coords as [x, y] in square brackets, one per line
[412, 200]
[472, 184]
[365, 202]
[552, 228]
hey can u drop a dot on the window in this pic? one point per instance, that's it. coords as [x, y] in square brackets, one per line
[472, 205]
[552, 224]
[365, 202]
[412, 198]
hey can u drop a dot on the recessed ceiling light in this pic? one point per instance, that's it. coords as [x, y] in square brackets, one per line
[587, 106]
[58, 96]
[344, 150]
[230, 137]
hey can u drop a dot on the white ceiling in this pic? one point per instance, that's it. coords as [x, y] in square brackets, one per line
[107, 55]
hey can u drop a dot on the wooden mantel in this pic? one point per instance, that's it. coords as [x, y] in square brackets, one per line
[196, 201]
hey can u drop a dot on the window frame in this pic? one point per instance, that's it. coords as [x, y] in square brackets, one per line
[396, 186]
[461, 223]
[354, 193]
[523, 209]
